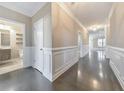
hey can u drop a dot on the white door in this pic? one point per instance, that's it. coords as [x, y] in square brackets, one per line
[38, 36]
[80, 44]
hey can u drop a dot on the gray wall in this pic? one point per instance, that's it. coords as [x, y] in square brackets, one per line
[45, 13]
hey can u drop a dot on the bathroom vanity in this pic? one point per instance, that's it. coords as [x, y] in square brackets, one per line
[5, 50]
[5, 54]
[11, 44]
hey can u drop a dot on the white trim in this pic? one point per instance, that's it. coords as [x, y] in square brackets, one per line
[60, 48]
[64, 48]
[63, 69]
[116, 48]
[50, 58]
[47, 64]
[116, 56]
[63, 60]
[116, 72]
[63, 51]
[111, 10]
[118, 51]
[67, 57]
[13, 21]
[34, 24]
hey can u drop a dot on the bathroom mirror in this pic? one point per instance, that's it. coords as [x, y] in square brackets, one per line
[5, 38]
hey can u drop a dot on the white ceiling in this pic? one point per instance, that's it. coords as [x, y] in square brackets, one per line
[92, 13]
[87, 13]
[26, 8]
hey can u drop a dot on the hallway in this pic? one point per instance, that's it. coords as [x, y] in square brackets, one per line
[91, 73]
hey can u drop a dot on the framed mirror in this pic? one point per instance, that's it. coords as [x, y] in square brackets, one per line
[4, 38]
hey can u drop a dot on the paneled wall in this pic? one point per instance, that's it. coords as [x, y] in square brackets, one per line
[116, 56]
[115, 32]
[63, 59]
[115, 41]
[65, 40]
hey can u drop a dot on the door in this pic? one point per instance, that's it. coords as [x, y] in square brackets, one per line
[38, 36]
[80, 44]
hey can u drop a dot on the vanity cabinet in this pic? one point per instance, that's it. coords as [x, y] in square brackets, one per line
[5, 54]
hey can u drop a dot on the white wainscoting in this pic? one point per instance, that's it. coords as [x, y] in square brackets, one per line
[63, 59]
[116, 56]
[28, 56]
[47, 64]
[59, 60]
[84, 51]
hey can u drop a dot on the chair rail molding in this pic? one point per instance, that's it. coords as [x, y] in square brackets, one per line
[116, 56]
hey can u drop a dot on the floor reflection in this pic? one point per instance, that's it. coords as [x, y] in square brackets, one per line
[95, 84]
[94, 72]
[101, 55]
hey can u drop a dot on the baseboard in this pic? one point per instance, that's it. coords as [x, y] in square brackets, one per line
[116, 72]
[61, 71]
[116, 48]
[63, 60]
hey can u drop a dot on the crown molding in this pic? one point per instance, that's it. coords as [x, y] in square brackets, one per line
[111, 10]
[62, 5]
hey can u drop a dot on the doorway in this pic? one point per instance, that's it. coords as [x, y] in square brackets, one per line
[11, 45]
[97, 39]
[80, 44]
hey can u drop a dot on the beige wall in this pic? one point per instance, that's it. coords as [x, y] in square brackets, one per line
[45, 13]
[115, 33]
[15, 16]
[65, 29]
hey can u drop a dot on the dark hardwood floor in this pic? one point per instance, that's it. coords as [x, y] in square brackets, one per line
[91, 73]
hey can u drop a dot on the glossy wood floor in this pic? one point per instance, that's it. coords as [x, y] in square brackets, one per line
[91, 73]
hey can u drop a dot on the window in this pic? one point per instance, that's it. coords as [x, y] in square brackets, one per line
[101, 42]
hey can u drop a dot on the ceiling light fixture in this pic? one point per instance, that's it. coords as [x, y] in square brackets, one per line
[72, 3]
[95, 27]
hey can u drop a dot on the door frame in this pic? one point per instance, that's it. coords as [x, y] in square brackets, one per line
[35, 35]
[23, 27]
[80, 47]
